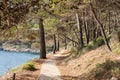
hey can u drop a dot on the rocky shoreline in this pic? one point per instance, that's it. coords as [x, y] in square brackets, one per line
[17, 47]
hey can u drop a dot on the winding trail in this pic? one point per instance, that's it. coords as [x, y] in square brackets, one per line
[49, 70]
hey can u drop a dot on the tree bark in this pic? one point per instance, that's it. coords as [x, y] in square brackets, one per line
[58, 43]
[42, 40]
[109, 27]
[79, 31]
[101, 28]
[54, 49]
[98, 32]
[93, 30]
[73, 43]
[65, 42]
[85, 27]
[0, 21]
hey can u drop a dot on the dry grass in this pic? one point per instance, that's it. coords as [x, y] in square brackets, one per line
[75, 69]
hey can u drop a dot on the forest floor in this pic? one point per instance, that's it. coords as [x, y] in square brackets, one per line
[72, 68]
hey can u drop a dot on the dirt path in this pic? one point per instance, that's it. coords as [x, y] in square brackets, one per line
[49, 70]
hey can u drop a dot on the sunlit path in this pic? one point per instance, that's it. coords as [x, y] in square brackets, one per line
[49, 70]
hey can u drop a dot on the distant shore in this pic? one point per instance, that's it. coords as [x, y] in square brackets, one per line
[20, 47]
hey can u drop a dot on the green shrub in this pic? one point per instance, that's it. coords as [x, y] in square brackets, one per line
[90, 46]
[29, 66]
[110, 68]
[98, 74]
[76, 52]
[115, 70]
[99, 41]
[28, 43]
[35, 45]
[94, 44]
[117, 48]
[107, 65]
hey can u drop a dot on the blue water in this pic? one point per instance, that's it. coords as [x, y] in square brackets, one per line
[9, 60]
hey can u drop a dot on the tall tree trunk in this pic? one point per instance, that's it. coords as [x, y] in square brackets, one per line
[73, 44]
[109, 28]
[65, 42]
[88, 33]
[85, 27]
[115, 20]
[101, 28]
[93, 30]
[0, 21]
[54, 48]
[98, 31]
[42, 39]
[79, 26]
[58, 43]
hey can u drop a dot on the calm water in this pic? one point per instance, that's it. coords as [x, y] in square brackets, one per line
[9, 60]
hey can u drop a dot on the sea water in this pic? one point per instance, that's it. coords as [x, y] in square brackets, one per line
[9, 60]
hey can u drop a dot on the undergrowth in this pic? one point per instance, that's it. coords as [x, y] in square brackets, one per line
[106, 70]
[27, 66]
[76, 51]
[116, 48]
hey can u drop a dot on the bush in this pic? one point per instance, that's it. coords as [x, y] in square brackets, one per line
[28, 43]
[90, 46]
[106, 69]
[107, 65]
[35, 45]
[94, 44]
[117, 48]
[99, 41]
[115, 71]
[29, 66]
